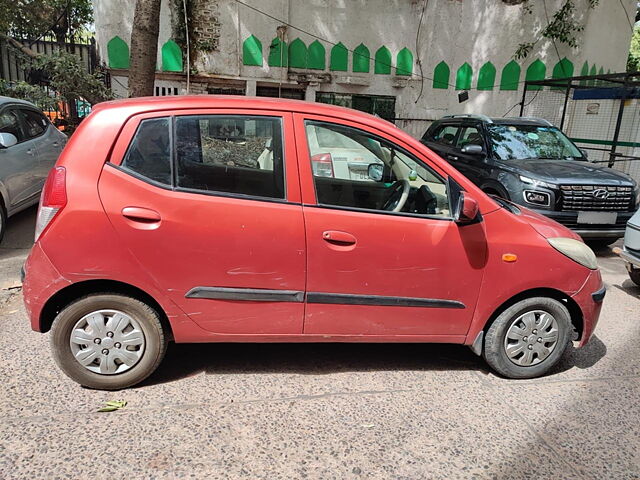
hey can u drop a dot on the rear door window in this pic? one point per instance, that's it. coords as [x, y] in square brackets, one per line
[149, 154]
[230, 154]
[34, 122]
[470, 136]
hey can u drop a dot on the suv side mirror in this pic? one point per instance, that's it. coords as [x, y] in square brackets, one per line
[584, 153]
[7, 140]
[375, 171]
[473, 149]
[466, 210]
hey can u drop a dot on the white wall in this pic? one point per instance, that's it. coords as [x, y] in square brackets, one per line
[457, 31]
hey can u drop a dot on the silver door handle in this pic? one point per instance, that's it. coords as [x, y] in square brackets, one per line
[30, 151]
[452, 157]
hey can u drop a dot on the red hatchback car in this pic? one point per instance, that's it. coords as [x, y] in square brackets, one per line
[237, 219]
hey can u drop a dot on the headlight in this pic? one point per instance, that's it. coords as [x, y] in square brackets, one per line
[636, 192]
[575, 250]
[537, 183]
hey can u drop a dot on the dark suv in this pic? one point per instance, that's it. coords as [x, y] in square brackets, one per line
[531, 162]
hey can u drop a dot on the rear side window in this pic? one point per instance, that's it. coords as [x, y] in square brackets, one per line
[230, 154]
[149, 153]
[35, 123]
[470, 136]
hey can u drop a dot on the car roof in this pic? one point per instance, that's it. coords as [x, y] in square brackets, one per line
[540, 122]
[7, 100]
[179, 102]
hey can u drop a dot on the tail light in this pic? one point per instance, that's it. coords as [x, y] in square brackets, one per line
[52, 200]
[322, 165]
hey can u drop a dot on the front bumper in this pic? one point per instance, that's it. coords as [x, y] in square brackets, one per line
[631, 261]
[570, 220]
[589, 298]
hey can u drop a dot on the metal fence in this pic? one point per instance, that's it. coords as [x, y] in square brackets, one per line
[600, 113]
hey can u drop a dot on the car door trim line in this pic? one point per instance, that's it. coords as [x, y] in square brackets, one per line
[381, 301]
[295, 296]
[246, 294]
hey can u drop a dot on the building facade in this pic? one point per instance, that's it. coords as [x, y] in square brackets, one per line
[405, 60]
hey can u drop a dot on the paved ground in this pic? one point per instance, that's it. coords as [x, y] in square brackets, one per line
[325, 411]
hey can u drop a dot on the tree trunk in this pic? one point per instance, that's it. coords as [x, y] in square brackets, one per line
[144, 48]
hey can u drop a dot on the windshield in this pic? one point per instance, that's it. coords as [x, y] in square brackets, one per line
[519, 142]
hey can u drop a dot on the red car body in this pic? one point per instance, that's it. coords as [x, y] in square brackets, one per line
[118, 232]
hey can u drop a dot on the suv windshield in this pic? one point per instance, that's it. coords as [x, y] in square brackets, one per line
[519, 142]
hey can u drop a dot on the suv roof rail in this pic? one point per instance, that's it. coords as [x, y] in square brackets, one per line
[477, 116]
[534, 119]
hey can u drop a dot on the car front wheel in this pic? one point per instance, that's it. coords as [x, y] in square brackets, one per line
[108, 341]
[528, 338]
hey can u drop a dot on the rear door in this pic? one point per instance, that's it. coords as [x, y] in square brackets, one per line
[48, 139]
[220, 233]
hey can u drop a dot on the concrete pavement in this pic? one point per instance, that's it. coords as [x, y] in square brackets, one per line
[325, 411]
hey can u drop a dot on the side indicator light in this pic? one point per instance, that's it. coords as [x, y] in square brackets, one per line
[509, 257]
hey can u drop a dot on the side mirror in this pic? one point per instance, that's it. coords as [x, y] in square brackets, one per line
[584, 153]
[375, 171]
[466, 210]
[472, 149]
[7, 140]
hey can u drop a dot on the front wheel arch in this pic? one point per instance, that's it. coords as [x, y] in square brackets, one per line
[69, 294]
[574, 309]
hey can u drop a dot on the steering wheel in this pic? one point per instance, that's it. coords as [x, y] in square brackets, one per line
[398, 196]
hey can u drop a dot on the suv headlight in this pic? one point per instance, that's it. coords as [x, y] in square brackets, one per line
[537, 183]
[575, 250]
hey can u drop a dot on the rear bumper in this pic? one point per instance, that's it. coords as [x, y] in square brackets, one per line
[40, 282]
[590, 298]
[570, 220]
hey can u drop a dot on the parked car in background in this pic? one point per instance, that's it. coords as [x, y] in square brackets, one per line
[172, 229]
[29, 148]
[532, 163]
[630, 251]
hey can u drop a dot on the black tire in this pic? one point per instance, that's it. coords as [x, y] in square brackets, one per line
[494, 345]
[634, 275]
[600, 243]
[3, 221]
[154, 336]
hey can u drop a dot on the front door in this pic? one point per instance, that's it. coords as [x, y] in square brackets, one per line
[18, 163]
[384, 263]
[220, 233]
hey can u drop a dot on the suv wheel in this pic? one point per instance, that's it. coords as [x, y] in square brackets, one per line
[528, 338]
[108, 341]
[634, 275]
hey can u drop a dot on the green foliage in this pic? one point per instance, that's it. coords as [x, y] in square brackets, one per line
[633, 62]
[563, 27]
[31, 93]
[32, 19]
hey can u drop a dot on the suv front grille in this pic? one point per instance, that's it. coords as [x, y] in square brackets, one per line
[595, 197]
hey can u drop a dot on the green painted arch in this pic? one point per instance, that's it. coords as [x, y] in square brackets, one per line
[404, 62]
[536, 71]
[463, 77]
[382, 62]
[278, 53]
[298, 55]
[317, 59]
[510, 76]
[601, 71]
[361, 59]
[562, 69]
[339, 61]
[118, 53]
[486, 76]
[252, 52]
[171, 57]
[441, 75]
[593, 71]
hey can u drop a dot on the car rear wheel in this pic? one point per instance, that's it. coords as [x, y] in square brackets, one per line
[528, 338]
[108, 341]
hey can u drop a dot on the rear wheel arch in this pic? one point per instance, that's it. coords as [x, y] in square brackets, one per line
[77, 290]
[574, 309]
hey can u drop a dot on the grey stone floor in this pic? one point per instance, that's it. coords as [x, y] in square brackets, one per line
[325, 411]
